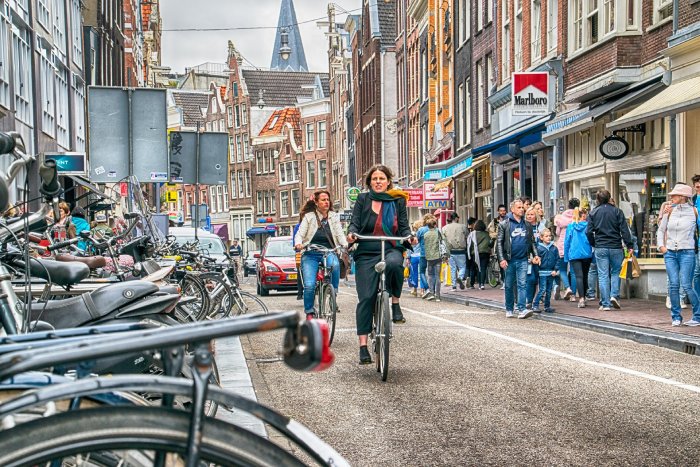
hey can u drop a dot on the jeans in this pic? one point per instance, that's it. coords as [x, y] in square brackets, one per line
[309, 270]
[609, 262]
[516, 274]
[533, 280]
[564, 276]
[696, 275]
[592, 280]
[434, 276]
[458, 266]
[422, 267]
[680, 265]
[544, 292]
[413, 276]
[684, 294]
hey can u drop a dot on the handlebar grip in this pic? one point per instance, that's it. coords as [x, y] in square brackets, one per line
[49, 178]
[59, 245]
[7, 143]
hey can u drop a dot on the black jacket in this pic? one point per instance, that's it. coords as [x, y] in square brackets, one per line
[607, 228]
[362, 225]
[503, 248]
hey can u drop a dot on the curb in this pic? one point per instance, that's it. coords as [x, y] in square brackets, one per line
[672, 341]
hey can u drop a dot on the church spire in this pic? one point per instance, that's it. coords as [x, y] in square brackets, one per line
[288, 53]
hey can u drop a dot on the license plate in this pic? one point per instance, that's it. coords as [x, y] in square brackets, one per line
[292, 277]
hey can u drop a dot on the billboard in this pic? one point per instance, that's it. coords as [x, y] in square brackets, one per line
[530, 94]
[415, 198]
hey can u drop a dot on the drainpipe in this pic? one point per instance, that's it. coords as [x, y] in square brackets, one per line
[382, 104]
[673, 163]
[405, 97]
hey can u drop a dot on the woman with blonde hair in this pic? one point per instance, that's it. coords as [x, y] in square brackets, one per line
[417, 278]
[578, 252]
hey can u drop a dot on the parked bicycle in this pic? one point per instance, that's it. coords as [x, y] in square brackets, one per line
[494, 271]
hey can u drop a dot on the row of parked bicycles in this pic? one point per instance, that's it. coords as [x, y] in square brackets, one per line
[108, 359]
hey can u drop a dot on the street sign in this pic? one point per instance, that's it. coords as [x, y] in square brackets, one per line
[213, 158]
[353, 193]
[171, 196]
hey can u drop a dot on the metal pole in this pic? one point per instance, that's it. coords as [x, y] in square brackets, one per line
[196, 187]
[130, 201]
[673, 163]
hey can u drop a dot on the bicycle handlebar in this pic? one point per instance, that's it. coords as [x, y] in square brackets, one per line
[59, 245]
[319, 248]
[381, 238]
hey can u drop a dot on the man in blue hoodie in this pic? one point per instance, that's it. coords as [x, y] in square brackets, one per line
[81, 225]
[514, 245]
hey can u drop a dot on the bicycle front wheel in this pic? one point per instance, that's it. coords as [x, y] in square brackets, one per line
[245, 303]
[132, 436]
[220, 295]
[328, 309]
[494, 272]
[383, 333]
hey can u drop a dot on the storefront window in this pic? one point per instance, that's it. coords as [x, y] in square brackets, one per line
[641, 194]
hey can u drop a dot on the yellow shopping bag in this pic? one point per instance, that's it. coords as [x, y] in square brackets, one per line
[623, 269]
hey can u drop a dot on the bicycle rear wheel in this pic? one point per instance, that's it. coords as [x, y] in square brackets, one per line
[246, 303]
[494, 272]
[132, 436]
[383, 333]
[328, 309]
[197, 306]
[220, 295]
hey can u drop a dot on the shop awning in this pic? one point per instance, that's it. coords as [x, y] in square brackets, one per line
[677, 98]
[269, 230]
[440, 184]
[221, 230]
[527, 127]
[582, 119]
[87, 185]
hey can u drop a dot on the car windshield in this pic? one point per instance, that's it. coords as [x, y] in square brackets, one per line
[277, 249]
[212, 246]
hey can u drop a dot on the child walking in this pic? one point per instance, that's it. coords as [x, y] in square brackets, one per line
[548, 271]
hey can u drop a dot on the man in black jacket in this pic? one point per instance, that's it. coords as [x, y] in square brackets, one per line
[607, 231]
[514, 245]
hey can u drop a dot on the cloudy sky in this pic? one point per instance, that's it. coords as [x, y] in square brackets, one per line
[189, 48]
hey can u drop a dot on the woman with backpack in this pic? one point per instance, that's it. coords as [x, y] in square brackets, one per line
[677, 239]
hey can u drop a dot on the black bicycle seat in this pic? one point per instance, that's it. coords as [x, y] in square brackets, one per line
[59, 273]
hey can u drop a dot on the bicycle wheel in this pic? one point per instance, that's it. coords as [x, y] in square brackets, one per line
[382, 334]
[197, 306]
[220, 295]
[246, 303]
[494, 272]
[328, 309]
[133, 436]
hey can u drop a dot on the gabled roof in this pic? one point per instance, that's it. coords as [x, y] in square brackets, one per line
[282, 88]
[288, 22]
[277, 121]
[191, 104]
[387, 22]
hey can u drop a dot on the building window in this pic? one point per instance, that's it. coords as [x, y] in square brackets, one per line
[489, 83]
[62, 108]
[467, 114]
[239, 148]
[480, 14]
[295, 202]
[489, 12]
[231, 149]
[273, 202]
[241, 185]
[424, 75]
[552, 26]
[260, 205]
[310, 133]
[44, 15]
[258, 161]
[235, 89]
[322, 174]
[59, 26]
[234, 191]
[289, 172]
[662, 9]
[271, 165]
[462, 116]
[577, 15]
[505, 41]
[464, 20]
[246, 155]
[247, 183]
[518, 40]
[48, 98]
[208, 126]
[284, 203]
[4, 64]
[479, 94]
[229, 115]
[79, 113]
[212, 200]
[535, 30]
[310, 174]
[609, 16]
[244, 113]
[76, 26]
[592, 20]
[237, 116]
[321, 135]
[224, 192]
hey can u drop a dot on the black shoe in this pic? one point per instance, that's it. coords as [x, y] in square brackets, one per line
[365, 357]
[300, 296]
[396, 315]
[461, 283]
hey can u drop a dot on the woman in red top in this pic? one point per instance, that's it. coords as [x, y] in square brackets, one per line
[380, 211]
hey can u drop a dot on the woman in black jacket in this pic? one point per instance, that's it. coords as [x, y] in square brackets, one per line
[381, 211]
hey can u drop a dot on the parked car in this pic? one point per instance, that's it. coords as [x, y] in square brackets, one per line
[209, 244]
[276, 267]
[250, 263]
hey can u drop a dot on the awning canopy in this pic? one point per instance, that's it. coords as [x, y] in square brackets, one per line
[87, 185]
[582, 119]
[676, 98]
[440, 184]
[526, 128]
[267, 230]
[221, 230]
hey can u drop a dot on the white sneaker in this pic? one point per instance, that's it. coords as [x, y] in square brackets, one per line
[676, 322]
[615, 303]
[509, 314]
[668, 302]
[692, 322]
[503, 287]
[603, 308]
[524, 314]
[568, 293]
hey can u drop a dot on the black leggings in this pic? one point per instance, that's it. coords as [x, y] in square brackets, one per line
[484, 259]
[581, 267]
[367, 281]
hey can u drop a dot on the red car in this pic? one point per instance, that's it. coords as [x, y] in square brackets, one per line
[277, 268]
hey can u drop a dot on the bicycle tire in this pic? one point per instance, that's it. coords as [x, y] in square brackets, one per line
[196, 310]
[494, 273]
[383, 335]
[247, 303]
[328, 309]
[109, 431]
[220, 295]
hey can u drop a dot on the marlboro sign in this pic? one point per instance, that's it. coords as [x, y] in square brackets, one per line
[530, 93]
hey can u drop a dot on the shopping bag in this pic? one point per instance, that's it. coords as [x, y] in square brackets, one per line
[636, 270]
[406, 273]
[623, 269]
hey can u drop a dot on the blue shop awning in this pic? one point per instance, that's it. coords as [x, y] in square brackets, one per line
[529, 127]
[267, 230]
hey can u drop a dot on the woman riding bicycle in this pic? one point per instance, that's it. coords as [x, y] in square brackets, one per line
[319, 225]
[379, 212]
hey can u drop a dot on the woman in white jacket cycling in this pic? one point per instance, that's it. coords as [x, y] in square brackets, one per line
[319, 225]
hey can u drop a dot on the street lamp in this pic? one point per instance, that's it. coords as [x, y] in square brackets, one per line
[285, 50]
[261, 101]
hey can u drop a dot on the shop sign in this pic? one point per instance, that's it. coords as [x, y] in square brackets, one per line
[415, 198]
[353, 193]
[171, 196]
[614, 147]
[450, 171]
[69, 163]
[443, 194]
[436, 204]
[530, 93]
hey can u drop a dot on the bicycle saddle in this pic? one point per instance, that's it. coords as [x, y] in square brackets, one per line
[93, 262]
[64, 274]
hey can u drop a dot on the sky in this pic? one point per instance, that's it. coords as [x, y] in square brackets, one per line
[182, 49]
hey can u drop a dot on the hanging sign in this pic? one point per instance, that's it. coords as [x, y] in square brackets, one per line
[614, 147]
[353, 193]
[530, 93]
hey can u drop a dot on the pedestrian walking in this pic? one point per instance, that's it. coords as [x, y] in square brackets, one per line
[416, 279]
[472, 266]
[455, 235]
[514, 245]
[548, 271]
[493, 233]
[677, 239]
[532, 269]
[562, 221]
[379, 212]
[479, 246]
[423, 264]
[431, 244]
[578, 252]
[696, 203]
[607, 231]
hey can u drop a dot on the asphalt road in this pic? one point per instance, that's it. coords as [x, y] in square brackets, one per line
[470, 387]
